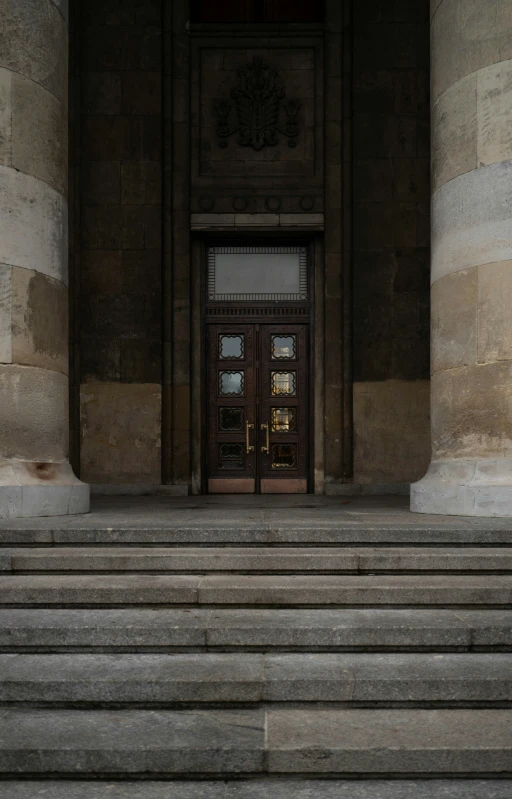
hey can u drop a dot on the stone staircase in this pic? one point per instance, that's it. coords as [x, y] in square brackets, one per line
[236, 663]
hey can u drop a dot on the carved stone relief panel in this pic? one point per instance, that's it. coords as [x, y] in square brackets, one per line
[255, 111]
[257, 123]
[246, 122]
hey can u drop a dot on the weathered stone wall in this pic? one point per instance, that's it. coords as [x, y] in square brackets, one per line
[120, 247]
[391, 237]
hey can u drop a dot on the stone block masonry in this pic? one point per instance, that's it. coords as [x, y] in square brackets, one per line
[35, 476]
[391, 242]
[471, 468]
[120, 201]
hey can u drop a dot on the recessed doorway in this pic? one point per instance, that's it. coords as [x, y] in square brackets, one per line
[257, 398]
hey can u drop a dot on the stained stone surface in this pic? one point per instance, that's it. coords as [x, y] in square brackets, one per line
[384, 741]
[132, 741]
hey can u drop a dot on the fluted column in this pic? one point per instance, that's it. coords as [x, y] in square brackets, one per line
[35, 475]
[471, 468]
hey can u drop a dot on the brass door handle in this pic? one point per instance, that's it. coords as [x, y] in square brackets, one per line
[266, 448]
[248, 447]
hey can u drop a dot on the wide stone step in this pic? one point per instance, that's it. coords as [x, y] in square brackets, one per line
[235, 589]
[310, 741]
[379, 679]
[261, 789]
[137, 531]
[260, 559]
[162, 629]
[225, 629]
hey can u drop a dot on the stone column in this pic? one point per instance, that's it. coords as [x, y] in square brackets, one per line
[35, 475]
[471, 468]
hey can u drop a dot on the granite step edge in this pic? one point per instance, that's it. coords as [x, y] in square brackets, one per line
[255, 590]
[283, 742]
[271, 535]
[261, 789]
[276, 628]
[261, 559]
[143, 679]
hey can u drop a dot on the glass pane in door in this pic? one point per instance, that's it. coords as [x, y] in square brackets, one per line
[283, 420]
[283, 383]
[283, 456]
[284, 348]
[231, 456]
[231, 384]
[231, 347]
[231, 420]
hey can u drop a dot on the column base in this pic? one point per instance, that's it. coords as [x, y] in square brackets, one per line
[40, 489]
[480, 487]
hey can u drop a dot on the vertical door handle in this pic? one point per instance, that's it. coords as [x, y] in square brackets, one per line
[248, 447]
[266, 448]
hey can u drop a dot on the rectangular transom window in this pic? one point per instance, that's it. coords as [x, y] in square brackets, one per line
[246, 274]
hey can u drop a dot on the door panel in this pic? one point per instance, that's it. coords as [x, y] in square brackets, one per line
[231, 409]
[284, 408]
[257, 408]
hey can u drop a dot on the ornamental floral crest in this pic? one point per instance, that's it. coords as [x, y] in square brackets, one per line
[257, 102]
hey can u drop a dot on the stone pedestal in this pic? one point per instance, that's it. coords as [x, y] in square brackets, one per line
[471, 469]
[35, 476]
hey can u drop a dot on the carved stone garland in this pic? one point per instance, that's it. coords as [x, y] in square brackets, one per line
[257, 102]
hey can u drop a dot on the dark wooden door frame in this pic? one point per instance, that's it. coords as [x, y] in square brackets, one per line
[311, 312]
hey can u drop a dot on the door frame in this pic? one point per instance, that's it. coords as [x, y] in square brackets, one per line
[315, 321]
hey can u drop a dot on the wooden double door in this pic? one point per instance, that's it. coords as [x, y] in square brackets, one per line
[257, 408]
